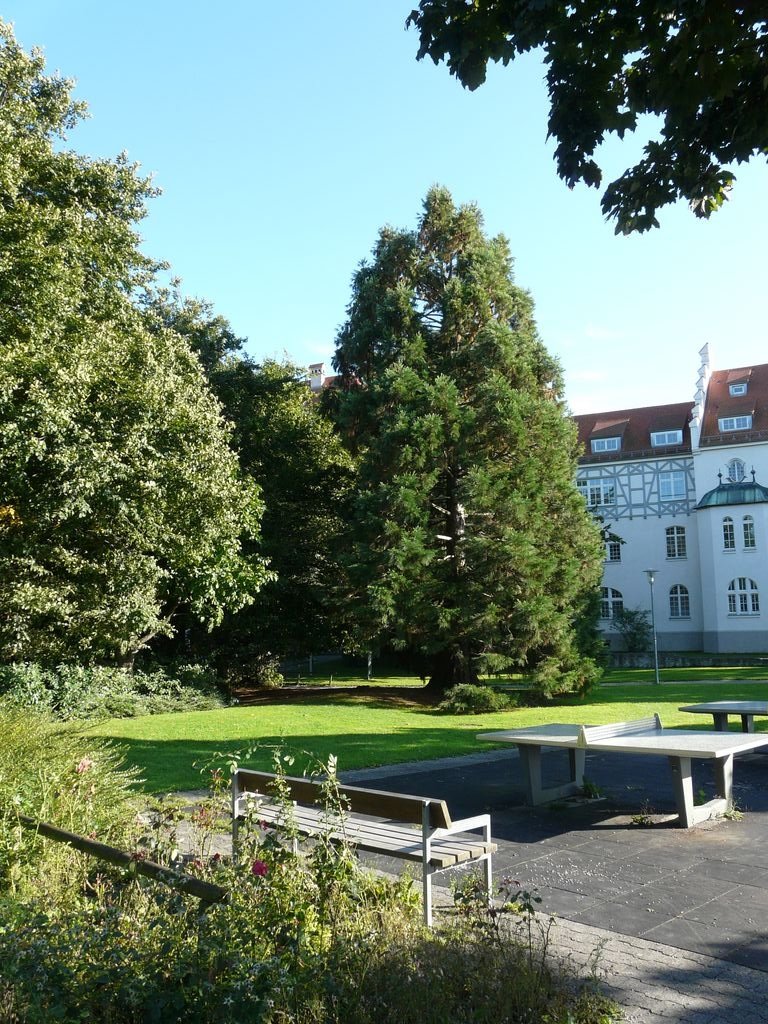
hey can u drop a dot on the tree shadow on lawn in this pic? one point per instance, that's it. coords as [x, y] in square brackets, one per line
[174, 765]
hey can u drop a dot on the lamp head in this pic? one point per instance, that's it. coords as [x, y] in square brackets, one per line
[651, 574]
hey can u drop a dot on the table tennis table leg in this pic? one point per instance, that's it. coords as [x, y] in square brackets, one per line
[747, 723]
[535, 793]
[682, 781]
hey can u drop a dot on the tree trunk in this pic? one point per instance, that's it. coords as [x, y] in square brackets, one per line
[449, 668]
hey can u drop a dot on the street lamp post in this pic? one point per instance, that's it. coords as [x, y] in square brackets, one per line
[651, 574]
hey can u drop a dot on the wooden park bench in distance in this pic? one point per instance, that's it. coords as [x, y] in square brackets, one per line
[642, 736]
[411, 828]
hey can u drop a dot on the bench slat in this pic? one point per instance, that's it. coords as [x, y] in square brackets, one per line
[397, 806]
[379, 837]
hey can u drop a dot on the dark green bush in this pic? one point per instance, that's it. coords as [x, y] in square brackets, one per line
[78, 691]
[466, 699]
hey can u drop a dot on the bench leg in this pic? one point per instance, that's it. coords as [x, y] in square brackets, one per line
[426, 887]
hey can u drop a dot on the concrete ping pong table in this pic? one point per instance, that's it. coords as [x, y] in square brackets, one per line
[721, 709]
[642, 736]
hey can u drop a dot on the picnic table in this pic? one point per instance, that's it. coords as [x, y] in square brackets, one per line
[640, 737]
[721, 709]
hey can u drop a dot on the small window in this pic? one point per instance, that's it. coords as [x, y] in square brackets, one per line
[612, 551]
[597, 492]
[748, 525]
[659, 438]
[672, 484]
[676, 542]
[735, 423]
[736, 471]
[612, 603]
[729, 537]
[679, 602]
[606, 444]
[737, 389]
[743, 598]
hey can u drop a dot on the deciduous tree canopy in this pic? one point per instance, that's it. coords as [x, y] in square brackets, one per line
[120, 497]
[698, 65]
[468, 536]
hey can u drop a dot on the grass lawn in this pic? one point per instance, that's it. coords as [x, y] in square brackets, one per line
[365, 731]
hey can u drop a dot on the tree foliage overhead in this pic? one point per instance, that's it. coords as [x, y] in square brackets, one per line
[699, 65]
[468, 536]
[120, 497]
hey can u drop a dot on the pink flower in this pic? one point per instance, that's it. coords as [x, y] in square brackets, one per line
[259, 868]
[84, 766]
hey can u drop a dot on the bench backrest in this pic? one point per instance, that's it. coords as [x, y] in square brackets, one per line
[378, 803]
[589, 733]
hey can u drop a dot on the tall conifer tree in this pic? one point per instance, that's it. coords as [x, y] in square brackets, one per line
[469, 537]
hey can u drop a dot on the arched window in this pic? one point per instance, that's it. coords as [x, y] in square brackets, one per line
[748, 525]
[736, 471]
[675, 541]
[612, 603]
[679, 602]
[743, 598]
[729, 537]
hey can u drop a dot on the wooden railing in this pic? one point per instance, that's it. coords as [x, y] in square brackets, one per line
[207, 892]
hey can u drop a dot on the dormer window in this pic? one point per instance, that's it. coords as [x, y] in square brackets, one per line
[605, 444]
[737, 389]
[728, 423]
[660, 438]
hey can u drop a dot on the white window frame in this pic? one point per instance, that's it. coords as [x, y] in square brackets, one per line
[612, 551]
[660, 438]
[728, 424]
[737, 471]
[598, 491]
[605, 444]
[676, 542]
[737, 389]
[679, 602]
[729, 535]
[743, 597]
[748, 533]
[669, 481]
[611, 602]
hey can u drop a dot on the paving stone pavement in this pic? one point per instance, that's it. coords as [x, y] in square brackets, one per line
[674, 922]
[678, 918]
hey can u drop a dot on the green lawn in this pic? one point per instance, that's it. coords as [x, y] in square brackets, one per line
[365, 732]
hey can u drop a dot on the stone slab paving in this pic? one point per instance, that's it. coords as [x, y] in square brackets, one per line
[678, 918]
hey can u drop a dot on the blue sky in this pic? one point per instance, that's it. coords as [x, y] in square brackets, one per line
[284, 136]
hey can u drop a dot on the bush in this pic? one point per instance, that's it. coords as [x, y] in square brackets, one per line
[466, 699]
[77, 691]
[51, 773]
[305, 938]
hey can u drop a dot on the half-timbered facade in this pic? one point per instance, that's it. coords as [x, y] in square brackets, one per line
[679, 488]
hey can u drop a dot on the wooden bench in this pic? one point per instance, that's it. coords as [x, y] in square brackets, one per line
[411, 828]
[642, 736]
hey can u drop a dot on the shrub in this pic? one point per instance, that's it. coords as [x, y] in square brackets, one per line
[78, 691]
[466, 699]
[305, 938]
[53, 774]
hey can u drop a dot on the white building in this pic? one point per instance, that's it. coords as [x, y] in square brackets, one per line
[680, 485]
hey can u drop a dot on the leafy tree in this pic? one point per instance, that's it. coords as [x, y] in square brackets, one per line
[468, 535]
[208, 334]
[699, 65]
[120, 498]
[634, 627]
[304, 472]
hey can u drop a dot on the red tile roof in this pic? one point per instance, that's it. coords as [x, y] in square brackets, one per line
[634, 427]
[720, 402]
